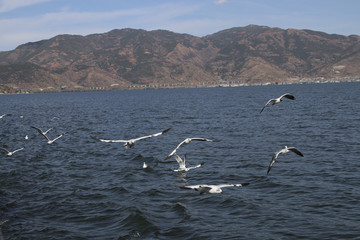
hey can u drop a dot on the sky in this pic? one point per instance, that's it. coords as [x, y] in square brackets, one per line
[23, 21]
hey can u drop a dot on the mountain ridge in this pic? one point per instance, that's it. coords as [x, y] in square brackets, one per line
[136, 58]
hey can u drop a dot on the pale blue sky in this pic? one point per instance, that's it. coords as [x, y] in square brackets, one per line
[23, 21]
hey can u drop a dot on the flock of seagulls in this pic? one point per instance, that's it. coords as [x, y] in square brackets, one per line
[202, 188]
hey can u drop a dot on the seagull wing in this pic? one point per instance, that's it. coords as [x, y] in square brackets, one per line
[233, 185]
[200, 188]
[174, 151]
[57, 137]
[47, 131]
[191, 187]
[186, 141]
[268, 102]
[109, 141]
[202, 139]
[180, 161]
[152, 135]
[295, 151]
[288, 95]
[5, 150]
[18, 150]
[197, 166]
[273, 161]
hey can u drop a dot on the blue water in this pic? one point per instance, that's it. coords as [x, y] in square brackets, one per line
[78, 188]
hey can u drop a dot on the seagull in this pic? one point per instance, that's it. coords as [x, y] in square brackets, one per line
[8, 153]
[145, 165]
[283, 151]
[278, 100]
[4, 115]
[187, 141]
[182, 166]
[212, 188]
[131, 142]
[49, 141]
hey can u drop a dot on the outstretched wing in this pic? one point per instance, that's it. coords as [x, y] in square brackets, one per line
[186, 141]
[295, 151]
[109, 141]
[174, 151]
[268, 102]
[288, 95]
[272, 162]
[152, 135]
[57, 137]
[180, 161]
[197, 166]
[190, 187]
[233, 185]
[18, 150]
[5, 150]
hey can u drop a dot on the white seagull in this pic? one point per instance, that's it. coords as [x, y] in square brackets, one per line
[4, 115]
[182, 166]
[212, 188]
[278, 100]
[8, 153]
[49, 141]
[145, 165]
[283, 151]
[187, 141]
[131, 142]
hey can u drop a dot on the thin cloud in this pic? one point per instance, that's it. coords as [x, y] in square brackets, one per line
[219, 2]
[17, 31]
[9, 5]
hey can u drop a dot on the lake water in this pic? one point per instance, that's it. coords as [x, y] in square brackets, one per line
[78, 188]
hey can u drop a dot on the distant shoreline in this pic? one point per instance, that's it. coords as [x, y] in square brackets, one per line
[220, 83]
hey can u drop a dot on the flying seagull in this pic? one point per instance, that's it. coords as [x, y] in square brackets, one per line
[187, 141]
[212, 188]
[4, 115]
[182, 166]
[283, 151]
[131, 142]
[49, 141]
[278, 100]
[8, 153]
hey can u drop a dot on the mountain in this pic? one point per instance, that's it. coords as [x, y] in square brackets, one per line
[130, 58]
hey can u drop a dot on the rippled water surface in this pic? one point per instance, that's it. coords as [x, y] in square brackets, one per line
[78, 188]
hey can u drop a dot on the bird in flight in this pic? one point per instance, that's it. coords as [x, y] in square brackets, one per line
[10, 153]
[212, 188]
[4, 115]
[278, 100]
[49, 141]
[131, 142]
[283, 151]
[182, 166]
[187, 141]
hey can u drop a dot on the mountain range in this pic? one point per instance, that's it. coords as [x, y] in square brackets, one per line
[135, 58]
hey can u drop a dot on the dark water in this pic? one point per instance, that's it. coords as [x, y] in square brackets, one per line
[77, 188]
